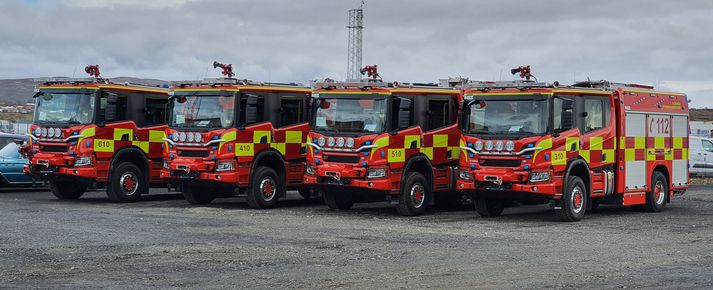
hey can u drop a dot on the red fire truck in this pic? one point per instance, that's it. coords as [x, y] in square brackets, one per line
[93, 132]
[376, 141]
[229, 136]
[574, 147]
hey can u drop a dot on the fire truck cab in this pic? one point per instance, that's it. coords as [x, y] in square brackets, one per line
[377, 141]
[92, 131]
[574, 147]
[229, 136]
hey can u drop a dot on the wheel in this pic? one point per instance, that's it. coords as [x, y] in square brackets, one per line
[415, 195]
[656, 197]
[574, 201]
[338, 199]
[265, 188]
[489, 207]
[197, 194]
[67, 190]
[126, 183]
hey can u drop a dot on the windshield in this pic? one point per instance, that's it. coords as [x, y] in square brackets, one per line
[203, 111]
[65, 108]
[508, 116]
[340, 114]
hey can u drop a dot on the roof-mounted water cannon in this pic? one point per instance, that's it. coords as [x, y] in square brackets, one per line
[524, 72]
[93, 70]
[372, 72]
[227, 69]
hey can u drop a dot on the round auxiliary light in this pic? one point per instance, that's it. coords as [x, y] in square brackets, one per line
[199, 137]
[59, 133]
[510, 146]
[350, 142]
[38, 132]
[340, 142]
[499, 145]
[489, 145]
[44, 132]
[321, 142]
[189, 137]
[330, 141]
[50, 132]
[182, 137]
[174, 136]
[478, 145]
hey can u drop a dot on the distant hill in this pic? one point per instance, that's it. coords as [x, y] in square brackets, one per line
[702, 114]
[19, 91]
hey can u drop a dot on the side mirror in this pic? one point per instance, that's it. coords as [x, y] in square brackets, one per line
[251, 109]
[404, 114]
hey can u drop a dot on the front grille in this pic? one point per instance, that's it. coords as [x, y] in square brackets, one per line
[341, 158]
[193, 153]
[500, 162]
[55, 148]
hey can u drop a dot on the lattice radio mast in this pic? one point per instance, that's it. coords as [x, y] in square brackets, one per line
[356, 25]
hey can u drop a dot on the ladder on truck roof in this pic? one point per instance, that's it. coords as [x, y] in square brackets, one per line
[329, 83]
[611, 86]
[218, 82]
[518, 84]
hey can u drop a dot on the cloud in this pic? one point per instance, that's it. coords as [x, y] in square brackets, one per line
[637, 41]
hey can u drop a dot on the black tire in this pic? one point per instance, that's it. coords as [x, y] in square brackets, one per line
[656, 197]
[489, 207]
[341, 200]
[197, 194]
[416, 195]
[126, 183]
[574, 200]
[67, 190]
[265, 188]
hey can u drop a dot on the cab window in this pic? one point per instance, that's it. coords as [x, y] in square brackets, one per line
[563, 109]
[707, 145]
[260, 117]
[292, 113]
[439, 113]
[596, 113]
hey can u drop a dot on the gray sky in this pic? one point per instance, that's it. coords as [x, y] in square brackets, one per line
[665, 43]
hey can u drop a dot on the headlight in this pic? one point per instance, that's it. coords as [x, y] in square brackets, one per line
[199, 138]
[464, 174]
[44, 132]
[539, 176]
[330, 142]
[340, 142]
[50, 132]
[321, 141]
[479, 146]
[376, 173]
[182, 137]
[174, 137]
[499, 145]
[350, 142]
[489, 145]
[189, 137]
[165, 164]
[510, 146]
[83, 161]
[224, 166]
[309, 170]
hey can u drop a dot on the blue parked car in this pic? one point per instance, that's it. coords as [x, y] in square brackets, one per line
[11, 162]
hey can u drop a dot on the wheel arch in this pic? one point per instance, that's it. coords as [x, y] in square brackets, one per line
[270, 158]
[578, 167]
[421, 164]
[664, 170]
[133, 155]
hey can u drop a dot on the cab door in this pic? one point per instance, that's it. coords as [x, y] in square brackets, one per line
[598, 139]
[291, 125]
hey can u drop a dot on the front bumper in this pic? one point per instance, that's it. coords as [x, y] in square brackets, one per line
[335, 174]
[508, 180]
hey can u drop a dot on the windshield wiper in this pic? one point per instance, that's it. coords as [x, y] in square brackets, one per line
[480, 132]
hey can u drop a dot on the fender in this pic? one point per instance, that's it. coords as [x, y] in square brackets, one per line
[572, 163]
[145, 167]
[264, 154]
[410, 162]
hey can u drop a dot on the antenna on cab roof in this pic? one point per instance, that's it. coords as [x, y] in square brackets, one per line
[227, 69]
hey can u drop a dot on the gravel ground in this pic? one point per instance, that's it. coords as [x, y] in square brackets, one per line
[164, 242]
